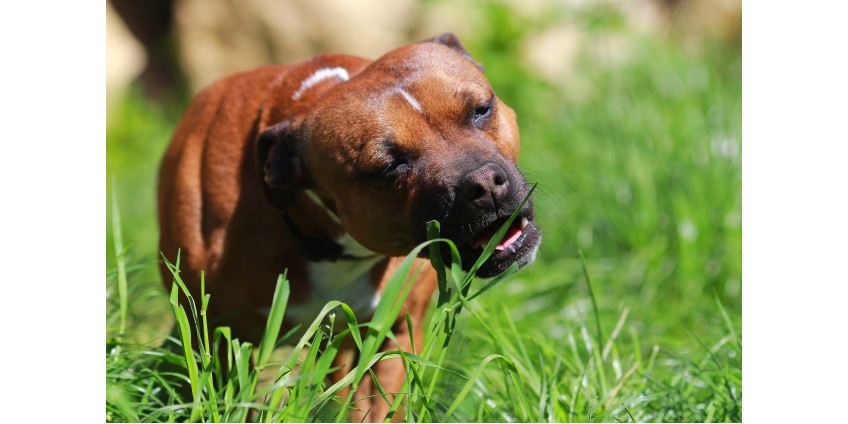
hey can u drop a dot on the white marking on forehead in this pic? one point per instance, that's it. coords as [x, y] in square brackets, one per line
[411, 100]
[318, 76]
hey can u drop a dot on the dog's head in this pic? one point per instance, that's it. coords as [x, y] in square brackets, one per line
[418, 135]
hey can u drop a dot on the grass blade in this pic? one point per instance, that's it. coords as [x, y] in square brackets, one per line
[185, 337]
[727, 321]
[494, 281]
[592, 297]
[275, 321]
[120, 258]
[473, 379]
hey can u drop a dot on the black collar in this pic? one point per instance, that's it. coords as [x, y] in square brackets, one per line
[315, 249]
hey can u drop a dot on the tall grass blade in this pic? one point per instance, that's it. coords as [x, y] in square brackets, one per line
[592, 297]
[204, 303]
[629, 414]
[184, 329]
[494, 281]
[433, 232]
[300, 394]
[349, 378]
[615, 331]
[727, 321]
[120, 258]
[290, 363]
[476, 375]
[456, 274]
[433, 379]
[577, 386]
[274, 322]
[720, 367]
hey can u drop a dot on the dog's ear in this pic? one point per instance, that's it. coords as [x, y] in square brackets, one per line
[280, 168]
[450, 40]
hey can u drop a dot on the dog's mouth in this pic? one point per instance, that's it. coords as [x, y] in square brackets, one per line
[513, 234]
[518, 245]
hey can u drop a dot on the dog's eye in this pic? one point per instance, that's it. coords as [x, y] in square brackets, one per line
[481, 111]
[481, 114]
[397, 167]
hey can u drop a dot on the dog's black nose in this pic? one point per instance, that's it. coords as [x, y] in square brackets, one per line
[486, 186]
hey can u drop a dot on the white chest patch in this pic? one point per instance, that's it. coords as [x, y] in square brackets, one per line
[318, 76]
[347, 281]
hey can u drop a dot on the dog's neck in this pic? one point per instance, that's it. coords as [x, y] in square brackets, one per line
[343, 248]
[339, 269]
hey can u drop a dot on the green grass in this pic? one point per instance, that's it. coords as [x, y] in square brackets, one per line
[641, 172]
[298, 391]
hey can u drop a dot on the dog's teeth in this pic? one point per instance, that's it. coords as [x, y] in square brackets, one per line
[524, 223]
[479, 242]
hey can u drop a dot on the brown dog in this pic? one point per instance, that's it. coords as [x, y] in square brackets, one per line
[330, 168]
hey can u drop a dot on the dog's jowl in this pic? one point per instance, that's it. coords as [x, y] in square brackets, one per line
[331, 169]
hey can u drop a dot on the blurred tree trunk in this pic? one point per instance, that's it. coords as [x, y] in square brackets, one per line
[151, 22]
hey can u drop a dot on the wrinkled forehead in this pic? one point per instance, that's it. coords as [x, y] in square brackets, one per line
[430, 71]
[424, 82]
[430, 90]
[422, 66]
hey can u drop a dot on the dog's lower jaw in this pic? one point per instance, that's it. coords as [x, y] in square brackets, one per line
[519, 246]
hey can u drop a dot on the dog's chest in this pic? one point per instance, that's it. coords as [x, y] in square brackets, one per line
[345, 280]
[348, 281]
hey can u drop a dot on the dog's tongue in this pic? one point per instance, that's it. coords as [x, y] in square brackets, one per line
[511, 236]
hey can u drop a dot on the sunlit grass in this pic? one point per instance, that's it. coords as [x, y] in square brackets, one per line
[191, 380]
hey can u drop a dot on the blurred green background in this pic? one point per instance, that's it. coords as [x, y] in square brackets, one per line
[630, 117]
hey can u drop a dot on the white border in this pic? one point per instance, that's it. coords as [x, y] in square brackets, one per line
[53, 229]
[795, 218]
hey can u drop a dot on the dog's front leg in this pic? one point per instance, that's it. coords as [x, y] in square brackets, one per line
[370, 404]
